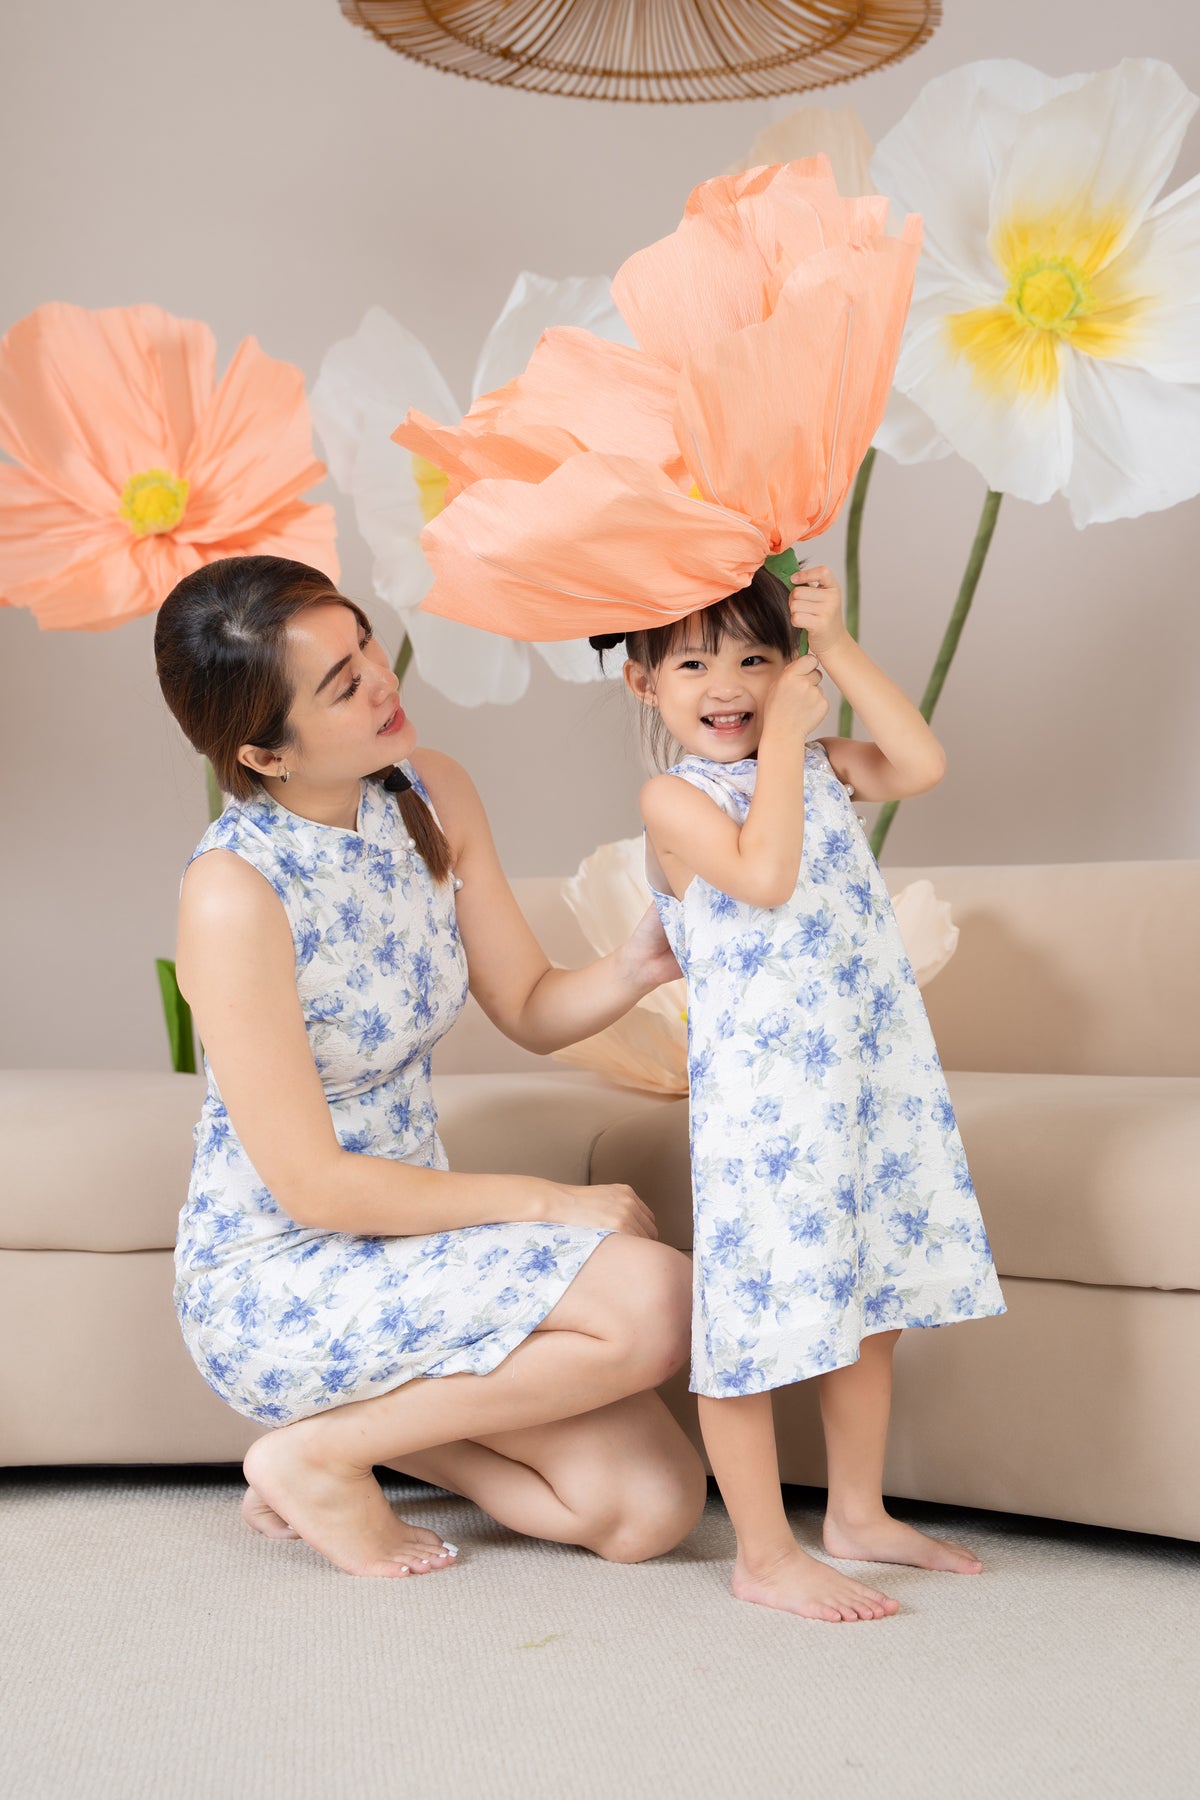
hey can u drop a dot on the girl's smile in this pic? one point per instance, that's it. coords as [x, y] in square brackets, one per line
[712, 701]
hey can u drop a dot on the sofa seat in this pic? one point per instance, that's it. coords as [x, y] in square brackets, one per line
[1056, 1211]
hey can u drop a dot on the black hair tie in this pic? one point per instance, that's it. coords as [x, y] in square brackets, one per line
[607, 641]
[397, 782]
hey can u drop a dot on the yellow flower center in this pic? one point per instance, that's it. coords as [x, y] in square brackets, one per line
[1060, 293]
[153, 502]
[1049, 294]
[432, 483]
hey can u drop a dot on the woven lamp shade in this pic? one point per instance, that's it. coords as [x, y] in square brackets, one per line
[655, 50]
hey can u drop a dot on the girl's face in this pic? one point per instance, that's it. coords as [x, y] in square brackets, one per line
[346, 719]
[711, 701]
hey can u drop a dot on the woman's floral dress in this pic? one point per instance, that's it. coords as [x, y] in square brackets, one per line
[832, 1196]
[284, 1320]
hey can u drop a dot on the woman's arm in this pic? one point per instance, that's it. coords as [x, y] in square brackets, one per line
[236, 967]
[537, 1006]
[757, 862]
[905, 758]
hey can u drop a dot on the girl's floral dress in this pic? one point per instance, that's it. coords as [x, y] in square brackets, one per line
[284, 1320]
[832, 1196]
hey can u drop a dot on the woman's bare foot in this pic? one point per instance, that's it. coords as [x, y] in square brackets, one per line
[888, 1540]
[263, 1518]
[799, 1583]
[340, 1512]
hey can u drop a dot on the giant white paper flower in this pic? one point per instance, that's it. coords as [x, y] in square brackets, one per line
[1054, 334]
[369, 381]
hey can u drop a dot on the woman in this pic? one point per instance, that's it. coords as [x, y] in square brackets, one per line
[329, 1263]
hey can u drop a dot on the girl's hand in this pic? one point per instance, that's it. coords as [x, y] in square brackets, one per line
[796, 700]
[646, 958]
[816, 607]
[610, 1206]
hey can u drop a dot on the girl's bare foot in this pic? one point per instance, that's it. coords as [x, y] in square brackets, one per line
[798, 1583]
[340, 1512]
[888, 1540]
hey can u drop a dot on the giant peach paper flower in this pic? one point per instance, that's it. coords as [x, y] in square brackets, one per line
[133, 466]
[610, 488]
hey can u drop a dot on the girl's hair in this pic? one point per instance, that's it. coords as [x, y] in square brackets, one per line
[757, 614]
[221, 651]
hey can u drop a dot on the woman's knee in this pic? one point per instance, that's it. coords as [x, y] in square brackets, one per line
[654, 1510]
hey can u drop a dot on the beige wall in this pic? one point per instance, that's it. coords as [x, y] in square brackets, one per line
[266, 167]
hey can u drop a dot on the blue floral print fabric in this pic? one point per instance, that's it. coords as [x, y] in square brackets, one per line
[285, 1320]
[832, 1197]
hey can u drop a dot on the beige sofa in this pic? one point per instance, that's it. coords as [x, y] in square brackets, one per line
[1069, 1023]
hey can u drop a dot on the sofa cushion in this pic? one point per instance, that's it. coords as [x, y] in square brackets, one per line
[1086, 1178]
[99, 1160]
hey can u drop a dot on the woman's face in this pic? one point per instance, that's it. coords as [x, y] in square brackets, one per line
[346, 717]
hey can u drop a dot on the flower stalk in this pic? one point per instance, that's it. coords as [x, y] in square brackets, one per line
[949, 643]
[858, 500]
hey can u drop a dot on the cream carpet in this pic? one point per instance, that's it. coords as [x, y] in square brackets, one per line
[152, 1646]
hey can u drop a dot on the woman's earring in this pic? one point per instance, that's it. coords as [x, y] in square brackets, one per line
[283, 776]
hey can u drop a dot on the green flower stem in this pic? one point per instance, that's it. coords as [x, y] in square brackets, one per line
[853, 579]
[403, 658]
[784, 565]
[178, 1015]
[216, 799]
[949, 644]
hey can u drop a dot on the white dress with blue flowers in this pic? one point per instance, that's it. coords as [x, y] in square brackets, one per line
[285, 1320]
[831, 1193]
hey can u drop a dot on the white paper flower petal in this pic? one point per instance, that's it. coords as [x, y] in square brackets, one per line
[834, 131]
[1164, 261]
[1137, 441]
[1020, 445]
[929, 932]
[383, 369]
[942, 158]
[909, 435]
[472, 668]
[575, 660]
[535, 304]
[1101, 152]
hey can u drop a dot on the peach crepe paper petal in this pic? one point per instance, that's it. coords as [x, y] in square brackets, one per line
[252, 452]
[818, 370]
[604, 543]
[647, 1048]
[88, 399]
[579, 392]
[716, 273]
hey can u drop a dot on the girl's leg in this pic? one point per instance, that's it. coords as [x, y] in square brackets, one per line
[771, 1568]
[622, 1481]
[855, 1405]
[621, 1327]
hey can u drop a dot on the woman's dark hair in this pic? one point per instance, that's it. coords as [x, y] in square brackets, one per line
[220, 648]
[757, 614]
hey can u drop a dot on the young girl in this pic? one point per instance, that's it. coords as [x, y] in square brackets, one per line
[833, 1206]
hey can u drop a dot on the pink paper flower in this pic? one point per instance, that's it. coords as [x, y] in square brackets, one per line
[133, 465]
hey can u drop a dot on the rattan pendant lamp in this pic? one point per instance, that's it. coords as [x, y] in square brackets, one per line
[655, 50]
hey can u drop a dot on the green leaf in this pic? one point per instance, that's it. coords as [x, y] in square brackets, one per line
[178, 1014]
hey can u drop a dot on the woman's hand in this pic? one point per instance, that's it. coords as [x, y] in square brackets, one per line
[646, 958]
[816, 607]
[610, 1206]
